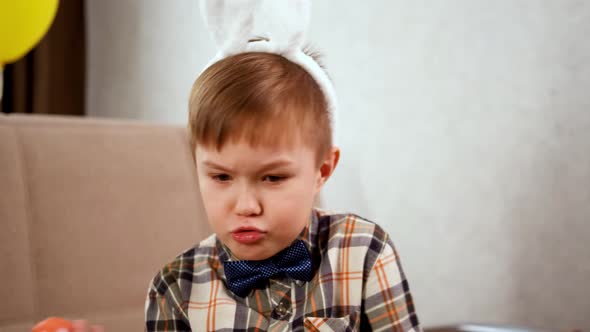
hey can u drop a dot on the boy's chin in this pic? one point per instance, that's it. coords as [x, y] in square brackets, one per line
[251, 253]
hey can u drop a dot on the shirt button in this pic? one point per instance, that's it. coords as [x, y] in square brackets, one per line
[282, 309]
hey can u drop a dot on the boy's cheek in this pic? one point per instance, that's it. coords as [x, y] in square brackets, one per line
[293, 200]
[213, 200]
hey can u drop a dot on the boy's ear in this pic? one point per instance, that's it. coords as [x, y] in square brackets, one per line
[328, 166]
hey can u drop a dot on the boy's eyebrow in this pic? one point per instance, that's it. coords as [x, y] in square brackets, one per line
[275, 164]
[265, 167]
[214, 165]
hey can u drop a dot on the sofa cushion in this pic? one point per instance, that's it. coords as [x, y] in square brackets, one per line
[17, 283]
[109, 203]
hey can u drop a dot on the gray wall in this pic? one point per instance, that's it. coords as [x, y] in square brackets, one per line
[465, 130]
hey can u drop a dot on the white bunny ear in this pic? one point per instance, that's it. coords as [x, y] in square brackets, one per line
[271, 26]
[275, 26]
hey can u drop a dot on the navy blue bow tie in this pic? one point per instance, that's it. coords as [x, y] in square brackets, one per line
[294, 262]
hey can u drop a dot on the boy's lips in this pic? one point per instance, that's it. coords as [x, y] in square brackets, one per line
[247, 235]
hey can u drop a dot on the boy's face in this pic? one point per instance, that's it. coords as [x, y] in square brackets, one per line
[259, 199]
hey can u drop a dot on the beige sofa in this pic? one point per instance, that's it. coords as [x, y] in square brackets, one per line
[90, 209]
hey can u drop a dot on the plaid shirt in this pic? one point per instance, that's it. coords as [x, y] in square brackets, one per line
[358, 285]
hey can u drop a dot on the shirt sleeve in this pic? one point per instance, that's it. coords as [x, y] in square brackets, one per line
[387, 301]
[163, 310]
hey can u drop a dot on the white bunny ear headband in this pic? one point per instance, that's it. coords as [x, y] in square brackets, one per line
[271, 26]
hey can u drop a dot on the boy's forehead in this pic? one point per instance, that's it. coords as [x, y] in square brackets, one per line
[244, 148]
[245, 156]
[285, 132]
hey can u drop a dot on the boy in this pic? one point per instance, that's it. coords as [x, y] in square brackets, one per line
[261, 124]
[263, 149]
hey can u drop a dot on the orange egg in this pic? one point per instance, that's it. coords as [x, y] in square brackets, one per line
[54, 324]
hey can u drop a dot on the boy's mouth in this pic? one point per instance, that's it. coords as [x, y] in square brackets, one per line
[247, 235]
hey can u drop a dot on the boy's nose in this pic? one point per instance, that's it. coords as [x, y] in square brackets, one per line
[247, 204]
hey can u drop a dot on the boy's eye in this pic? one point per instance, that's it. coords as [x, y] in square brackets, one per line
[274, 178]
[221, 177]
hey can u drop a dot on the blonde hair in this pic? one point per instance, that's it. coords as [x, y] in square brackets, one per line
[260, 97]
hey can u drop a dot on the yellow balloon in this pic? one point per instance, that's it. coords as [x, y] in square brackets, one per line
[22, 25]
